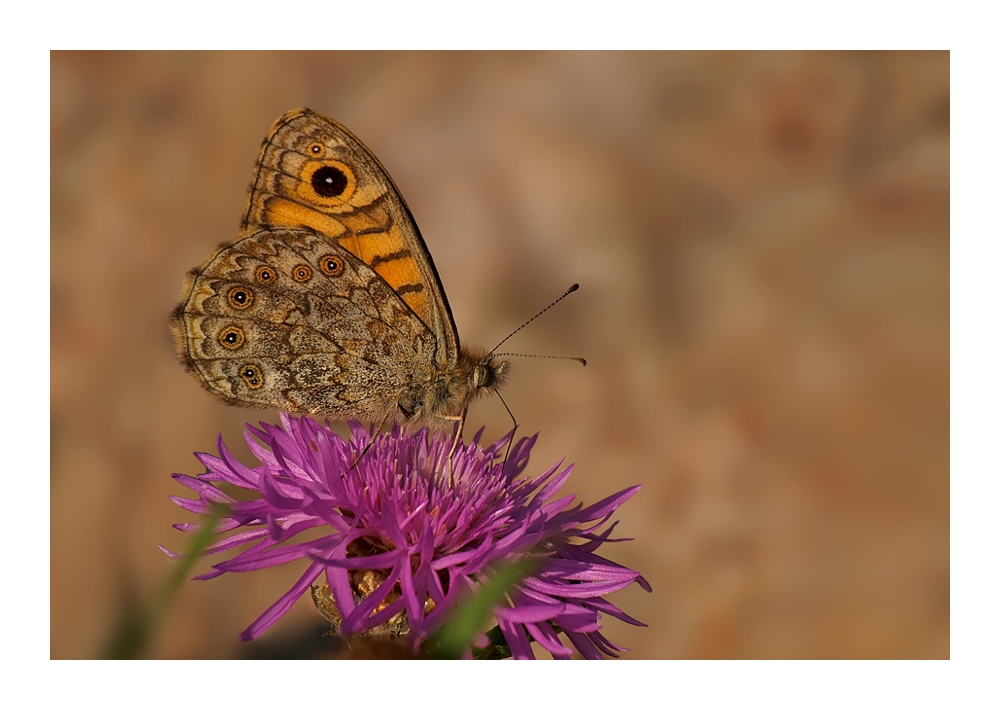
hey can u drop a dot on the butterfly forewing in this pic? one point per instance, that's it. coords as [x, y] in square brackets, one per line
[313, 172]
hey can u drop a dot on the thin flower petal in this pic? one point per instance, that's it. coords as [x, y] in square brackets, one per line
[517, 640]
[284, 603]
[533, 613]
[383, 560]
[587, 648]
[547, 639]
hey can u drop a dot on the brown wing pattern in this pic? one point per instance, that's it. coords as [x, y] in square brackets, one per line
[255, 325]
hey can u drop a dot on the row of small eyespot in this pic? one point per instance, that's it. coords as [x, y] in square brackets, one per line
[241, 297]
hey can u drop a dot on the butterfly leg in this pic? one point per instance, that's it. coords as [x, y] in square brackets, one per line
[454, 444]
[383, 425]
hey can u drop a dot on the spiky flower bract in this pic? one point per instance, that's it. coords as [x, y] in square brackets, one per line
[401, 529]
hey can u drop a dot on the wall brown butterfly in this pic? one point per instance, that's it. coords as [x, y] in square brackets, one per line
[328, 303]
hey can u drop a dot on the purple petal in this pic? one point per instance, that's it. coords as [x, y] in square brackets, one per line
[605, 645]
[235, 540]
[583, 590]
[605, 508]
[547, 639]
[284, 603]
[550, 488]
[236, 472]
[281, 495]
[517, 640]
[578, 619]
[606, 607]
[585, 646]
[534, 613]
[256, 558]
[382, 560]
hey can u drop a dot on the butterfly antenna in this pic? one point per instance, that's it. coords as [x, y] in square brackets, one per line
[570, 290]
[544, 357]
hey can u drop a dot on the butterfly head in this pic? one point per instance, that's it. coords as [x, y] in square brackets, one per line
[477, 374]
[490, 373]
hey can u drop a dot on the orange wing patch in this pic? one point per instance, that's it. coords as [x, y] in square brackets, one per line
[387, 253]
[279, 212]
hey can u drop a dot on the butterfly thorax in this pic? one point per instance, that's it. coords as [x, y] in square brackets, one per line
[447, 391]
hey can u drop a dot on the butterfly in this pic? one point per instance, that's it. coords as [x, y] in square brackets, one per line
[328, 303]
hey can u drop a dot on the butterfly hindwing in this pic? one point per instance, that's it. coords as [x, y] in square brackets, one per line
[285, 319]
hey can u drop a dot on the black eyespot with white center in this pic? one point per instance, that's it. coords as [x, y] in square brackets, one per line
[302, 273]
[265, 275]
[240, 297]
[329, 181]
[231, 337]
[331, 265]
[252, 376]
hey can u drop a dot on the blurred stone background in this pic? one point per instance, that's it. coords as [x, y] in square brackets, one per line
[762, 244]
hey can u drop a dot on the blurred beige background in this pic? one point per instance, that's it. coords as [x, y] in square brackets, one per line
[762, 243]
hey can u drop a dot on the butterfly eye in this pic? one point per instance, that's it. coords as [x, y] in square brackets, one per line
[232, 338]
[265, 275]
[240, 297]
[302, 273]
[329, 181]
[251, 375]
[332, 265]
[316, 149]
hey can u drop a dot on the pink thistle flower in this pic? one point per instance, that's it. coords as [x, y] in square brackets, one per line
[404, 534]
